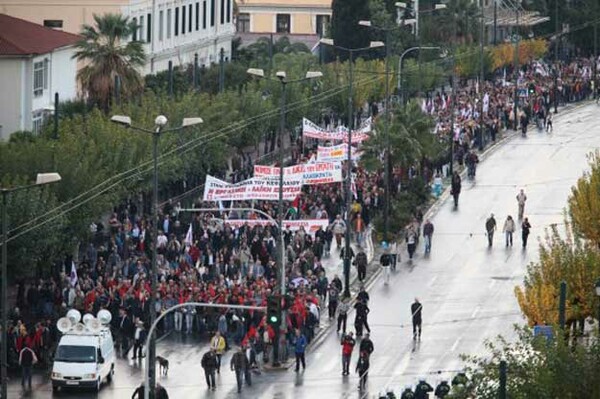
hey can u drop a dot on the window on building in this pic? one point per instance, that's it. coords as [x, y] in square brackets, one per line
[204, 14]
[53, 23]
[222, 12]
[169, 23]
[228, 11]
[176, 21]
[39, 75]
[212, 12]
[135, 31]
[149, 28]
[197, 16]
[322, 23]
[283, 23]
[37, 121]
[243, 22]
[161, 24]
[142, 25]
[183, 20]
[190, 15]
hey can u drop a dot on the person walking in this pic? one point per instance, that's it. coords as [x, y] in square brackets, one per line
[455, 185]
[209, 364]
[333, 300]
[407, 393]
[411, 241]
[139, 392]
[361, 265]
[27, 359]
[139, 338]
[348, 343]
[217, 343]
[125, 331]
[490, 227]
[525, 228]
[239, 365]
[549, 126]
[416, 310]
[338, 227]
[360, 319]
[161, 392]
[509, 229]
[385, 260]
[427, 235]
[422, 389]
[342, 318]
[366, 345]
[362, 368]
[442, 390]
[521, 198]
[299, 349]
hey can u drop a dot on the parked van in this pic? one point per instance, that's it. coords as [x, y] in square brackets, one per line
[85, 356]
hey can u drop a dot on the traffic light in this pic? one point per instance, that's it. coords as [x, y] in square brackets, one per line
[274, 310]
[531, 89]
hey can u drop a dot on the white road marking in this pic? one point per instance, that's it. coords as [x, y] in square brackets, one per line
[475, 311]
[455, 345]
[432, 281]
[492, 284]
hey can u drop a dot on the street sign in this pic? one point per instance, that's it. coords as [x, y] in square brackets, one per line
[522, 93]
[545, 331]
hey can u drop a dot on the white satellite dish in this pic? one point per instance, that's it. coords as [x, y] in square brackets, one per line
[104, 316]
[63, 324]
[87, 318]
[94, 326]
[74, 316]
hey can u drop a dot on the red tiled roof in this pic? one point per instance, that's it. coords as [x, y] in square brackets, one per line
[20, 37]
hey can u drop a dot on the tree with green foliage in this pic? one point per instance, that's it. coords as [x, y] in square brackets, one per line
[345, 30]
[460, 17]
[106, 51]
[536, 369]
[584, 202]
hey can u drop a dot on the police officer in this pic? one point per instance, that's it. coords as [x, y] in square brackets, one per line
[442, 390]
[366, 345]
[422, 389]
[415, 309]
[407, 393]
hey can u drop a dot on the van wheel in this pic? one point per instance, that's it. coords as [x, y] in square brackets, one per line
[99, 384]
[54, 389]
[109, 377]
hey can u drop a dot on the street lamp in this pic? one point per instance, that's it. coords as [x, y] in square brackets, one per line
[387, 30]
[159, 128]
[402, 59]
[281, 77]
[372, 45]
[598, 295]
[42, 178]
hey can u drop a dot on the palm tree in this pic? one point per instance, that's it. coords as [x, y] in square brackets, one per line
[106, 51]
[411, 139]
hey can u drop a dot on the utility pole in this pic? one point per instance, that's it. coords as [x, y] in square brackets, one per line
[481, 79]
[348, 181]
[516, 71]
[495, 21]
[56, 101]
[562, 305]
[453, 95]
[221, 70]
[170, 78]
[386, 205]
[502, 387]
[195, 72]
[556, 67]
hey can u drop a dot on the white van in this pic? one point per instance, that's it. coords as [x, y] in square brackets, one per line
[84, 359]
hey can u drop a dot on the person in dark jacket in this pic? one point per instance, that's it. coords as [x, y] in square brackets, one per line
[525, 228]
[366, 345]
[442, 390]
[27, 359]
[428, 235]
[490, 228]
[362, 368]
[209, 364]
[139, 392]
[361, 265]
[161, 392]
[360, 319]
[300, 343]
[455, 187]
[415, 309]
[422, 389]
[407, 393]
[240, 365]
[125, 330]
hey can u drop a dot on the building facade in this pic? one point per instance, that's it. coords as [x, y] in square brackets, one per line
[293, 18]
[35, 63]
[174, 30]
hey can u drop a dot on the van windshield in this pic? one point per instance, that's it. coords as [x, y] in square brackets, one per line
[75, 354]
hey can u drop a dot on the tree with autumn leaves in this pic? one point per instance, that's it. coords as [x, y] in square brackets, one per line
[574, 259]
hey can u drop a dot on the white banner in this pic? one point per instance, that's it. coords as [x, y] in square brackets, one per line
[310, 225]
[309, 129]
[309, 174]
[251, 189]
[336, 153]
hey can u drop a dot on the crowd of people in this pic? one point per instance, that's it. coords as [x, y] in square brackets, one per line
[201, 258]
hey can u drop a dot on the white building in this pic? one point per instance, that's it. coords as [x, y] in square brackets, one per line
[35, 63]
[183, 29]
[175, 30]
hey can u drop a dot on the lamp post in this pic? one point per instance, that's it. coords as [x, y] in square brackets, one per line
[597, 289]
[400, 63]
[42, 178]
[281, 77]
[350, 51]
[159, 128]
[386, 201]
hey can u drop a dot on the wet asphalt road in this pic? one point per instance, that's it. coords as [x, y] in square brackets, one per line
[466, 289]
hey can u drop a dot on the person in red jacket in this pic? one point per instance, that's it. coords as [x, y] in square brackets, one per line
[348, 343]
